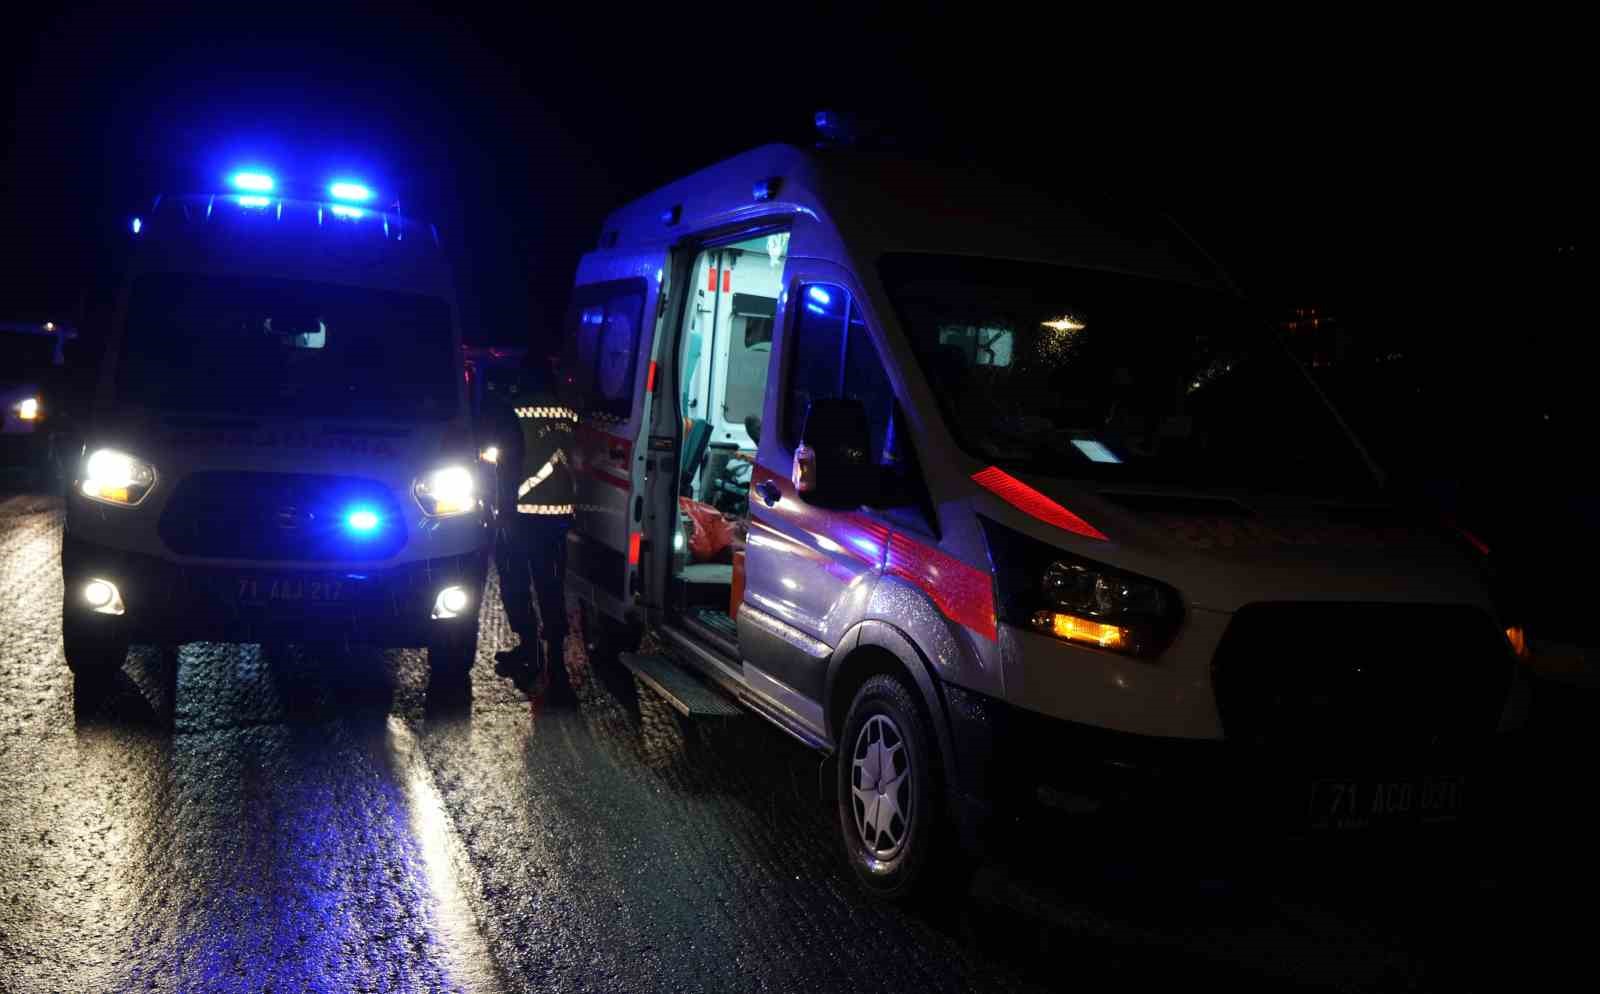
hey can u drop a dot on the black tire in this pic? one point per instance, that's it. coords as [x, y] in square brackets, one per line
[892, 870]
[451, 654]
[91, 655]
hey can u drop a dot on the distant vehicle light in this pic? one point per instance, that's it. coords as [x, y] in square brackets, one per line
[254, 201]
[28, 410]
[361, 520]
[490, 454]
[347, 212]
[137, 225]
[255, 182]
[346, 190]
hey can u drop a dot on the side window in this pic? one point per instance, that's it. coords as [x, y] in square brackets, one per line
[602, 347]
[818, 351]
[834, 357]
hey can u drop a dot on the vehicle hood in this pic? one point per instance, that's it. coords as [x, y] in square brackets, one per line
[1225, 550]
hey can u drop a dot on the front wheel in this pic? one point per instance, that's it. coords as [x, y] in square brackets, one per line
[451, 654]
[91, 655]
[890, 791]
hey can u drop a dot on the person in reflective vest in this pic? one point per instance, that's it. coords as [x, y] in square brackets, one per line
[532, 548]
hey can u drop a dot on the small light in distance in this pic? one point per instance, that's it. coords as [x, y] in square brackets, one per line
[137, 225]
[1065, 322]
[28, 410]
[490, 454]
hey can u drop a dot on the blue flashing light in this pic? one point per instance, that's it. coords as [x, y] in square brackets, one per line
[820, 295]
[815, 309]
[255, 182]
[362, 521]
[348, 190]
[255, 201]
[137, 225]
[347, 212]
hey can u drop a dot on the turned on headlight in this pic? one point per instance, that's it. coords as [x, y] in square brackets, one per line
[114, 477]
[446, 491]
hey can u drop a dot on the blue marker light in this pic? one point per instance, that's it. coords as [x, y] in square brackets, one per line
[361, 520]
[347, 190]
[137, 225]
[256, 182]
[820, 295]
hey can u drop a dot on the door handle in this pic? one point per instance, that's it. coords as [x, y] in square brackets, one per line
[768, 492]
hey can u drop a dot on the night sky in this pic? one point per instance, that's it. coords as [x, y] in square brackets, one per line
[1400, 175]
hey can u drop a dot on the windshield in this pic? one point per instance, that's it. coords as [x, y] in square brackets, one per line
[1083, 374]
[252, 345]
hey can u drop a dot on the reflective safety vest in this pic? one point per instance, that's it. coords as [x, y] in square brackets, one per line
[547, 486]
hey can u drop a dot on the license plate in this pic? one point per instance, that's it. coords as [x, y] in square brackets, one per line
[290, 589]
[1356, 804]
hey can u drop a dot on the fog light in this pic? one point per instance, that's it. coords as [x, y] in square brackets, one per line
[451, 603]
[103, 597]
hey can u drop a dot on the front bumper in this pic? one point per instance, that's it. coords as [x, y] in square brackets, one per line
[1019, 770]
[168, 602]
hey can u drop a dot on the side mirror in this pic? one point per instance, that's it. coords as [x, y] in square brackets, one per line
[833, 465]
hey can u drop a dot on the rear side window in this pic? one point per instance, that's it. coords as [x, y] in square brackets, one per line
[602, 347]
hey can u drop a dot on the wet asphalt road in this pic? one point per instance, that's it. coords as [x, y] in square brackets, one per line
[232, 818]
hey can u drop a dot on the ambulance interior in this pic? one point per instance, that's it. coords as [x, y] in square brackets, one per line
[724, 354]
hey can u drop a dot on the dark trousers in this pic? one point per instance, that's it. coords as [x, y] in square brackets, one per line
[532, 552]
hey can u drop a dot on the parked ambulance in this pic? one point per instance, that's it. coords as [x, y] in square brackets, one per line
[1028, 515]
[280, 447]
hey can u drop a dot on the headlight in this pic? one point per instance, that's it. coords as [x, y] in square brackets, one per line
[1049, 590]
[113, 477]
[447, 491]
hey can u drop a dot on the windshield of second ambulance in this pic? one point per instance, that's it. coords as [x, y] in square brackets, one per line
[262, 346]
[1084, 374]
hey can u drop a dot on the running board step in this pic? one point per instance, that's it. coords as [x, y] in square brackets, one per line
[691, 697]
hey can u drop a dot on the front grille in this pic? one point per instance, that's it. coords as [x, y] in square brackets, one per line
[1341, 677]
[281, 516]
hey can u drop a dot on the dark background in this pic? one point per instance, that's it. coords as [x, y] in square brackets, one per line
[1417, 183]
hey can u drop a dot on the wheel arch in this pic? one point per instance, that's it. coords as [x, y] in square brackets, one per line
[876, 647]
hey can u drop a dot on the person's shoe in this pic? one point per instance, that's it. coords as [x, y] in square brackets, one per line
[510, 662]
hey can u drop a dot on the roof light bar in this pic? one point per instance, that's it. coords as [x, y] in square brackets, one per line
[254, 182]
[350, 190]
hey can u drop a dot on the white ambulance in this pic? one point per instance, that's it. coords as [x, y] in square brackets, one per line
[280, 447]
[1031, 516]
